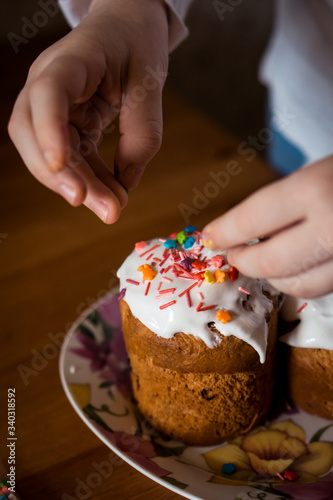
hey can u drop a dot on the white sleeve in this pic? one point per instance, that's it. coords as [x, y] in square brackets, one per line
[75, 10]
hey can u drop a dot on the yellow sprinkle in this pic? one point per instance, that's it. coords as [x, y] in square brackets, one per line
[208, 244]
[209, 277]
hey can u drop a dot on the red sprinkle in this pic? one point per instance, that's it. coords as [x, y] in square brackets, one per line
[149, 250]
[188, 299]
[187, 289]
[206, 308]
[233, 273]
[302, 307]
[159, 285]
[133, 282]
[198, 307]
[168, 304]
[168, 290]
[291, 475]
[147, 258]
[147, 289]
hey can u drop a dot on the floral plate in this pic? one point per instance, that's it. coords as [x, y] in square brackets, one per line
[95, 375]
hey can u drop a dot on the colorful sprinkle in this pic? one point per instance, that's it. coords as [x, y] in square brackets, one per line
[219, 276]
[122, 294]
[228, 468]
[209, 277]
[233, 273]
[159, 285]
[206, 308]
[291, 475]
[170, 244]
[188, 299]
[181, 237]
[168, 304]
[217, 260]
[302, 307]
[241, 289]
[190, 229]
[133, 282]
[223, 316]
[189, 242]
[201, 297]
[149, 250]
[140, 246]
[147, 272]
[148, 286]
[172, 290]
[187, 290]
[280, 476]
[165, 278]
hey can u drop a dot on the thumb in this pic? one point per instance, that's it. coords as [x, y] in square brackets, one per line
[140, 126]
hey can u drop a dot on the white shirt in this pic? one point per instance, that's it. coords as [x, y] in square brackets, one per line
[297, 67]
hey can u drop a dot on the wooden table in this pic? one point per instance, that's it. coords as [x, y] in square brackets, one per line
[57, 260]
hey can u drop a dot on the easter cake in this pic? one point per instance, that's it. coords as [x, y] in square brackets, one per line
[200, 337]
[307, 354]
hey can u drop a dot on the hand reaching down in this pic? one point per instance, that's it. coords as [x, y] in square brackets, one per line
[294, 219]
[113, 63]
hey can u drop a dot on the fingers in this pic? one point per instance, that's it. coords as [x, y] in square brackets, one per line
[140, 125]
[263, 213]
[65, 182]
[311, 283]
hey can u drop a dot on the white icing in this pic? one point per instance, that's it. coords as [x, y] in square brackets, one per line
[315, 329]
[248, 325]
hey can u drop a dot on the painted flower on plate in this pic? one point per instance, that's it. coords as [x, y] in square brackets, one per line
[269, 451]
[137, 449]
[96, 352]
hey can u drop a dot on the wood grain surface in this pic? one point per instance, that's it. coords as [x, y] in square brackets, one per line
[56, 260]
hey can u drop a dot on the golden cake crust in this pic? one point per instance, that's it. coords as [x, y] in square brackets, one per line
[310, 379]
[194, 393]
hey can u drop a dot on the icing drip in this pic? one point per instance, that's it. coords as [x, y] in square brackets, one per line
[167, 308]
[315, 329]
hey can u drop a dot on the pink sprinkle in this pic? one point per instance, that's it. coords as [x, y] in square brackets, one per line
[201, 297]
[162, 240]
[167, 279]
[200, 283]
[188, 289]
[206, 308]
[168, 304]
[198, 238]
[147, 289]
[149, 250]
[280, 476]
[188, 299]
[159, 285]
[241, 289]
[168, 290]
[133, 282]
[149, 256]
[167, 294]
[302, 307]
[164, 260]
[140, 246]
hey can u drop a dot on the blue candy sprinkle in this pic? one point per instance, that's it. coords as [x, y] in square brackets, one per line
[170, 243]
[228, 469]
[190, 229]
[189, 242]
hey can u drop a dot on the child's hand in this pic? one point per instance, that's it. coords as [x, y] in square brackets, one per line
[114, 62]
[296, 213]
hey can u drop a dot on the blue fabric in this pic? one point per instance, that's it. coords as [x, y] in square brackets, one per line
[281, 154]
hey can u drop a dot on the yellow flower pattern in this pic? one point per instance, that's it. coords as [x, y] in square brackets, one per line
[267, 452]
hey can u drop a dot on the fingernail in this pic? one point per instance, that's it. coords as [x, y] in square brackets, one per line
[68, 192]
[101, 210]
[53, 164]
[132, 176]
